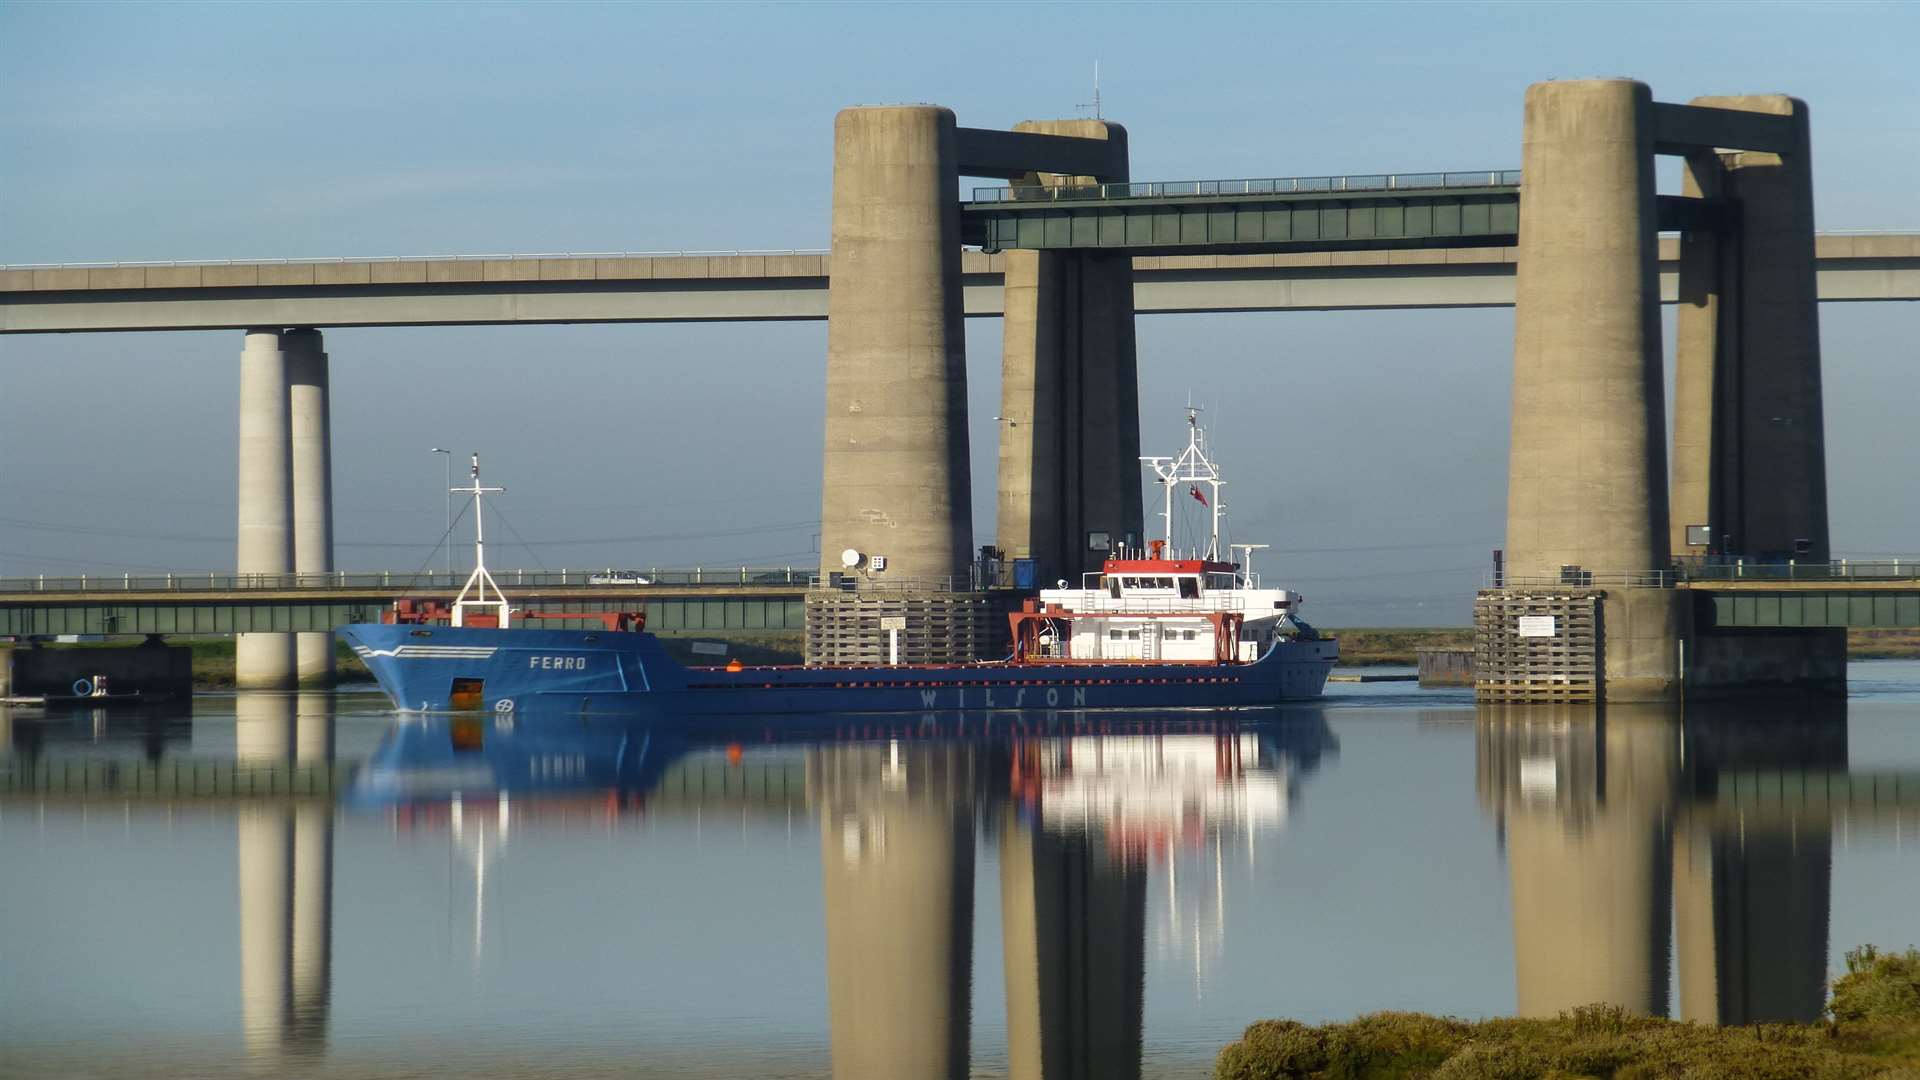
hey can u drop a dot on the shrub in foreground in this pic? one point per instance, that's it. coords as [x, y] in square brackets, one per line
[1875, 1033]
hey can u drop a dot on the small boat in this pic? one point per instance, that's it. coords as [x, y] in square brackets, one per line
[1154, 628]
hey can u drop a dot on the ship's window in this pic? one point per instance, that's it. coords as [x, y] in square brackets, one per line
[1113, 587]
[1163, 583]
[466, 694]
[1133, 583]
[1113, 635]
[1187, 635]
[1189, 588]
[1133, 635]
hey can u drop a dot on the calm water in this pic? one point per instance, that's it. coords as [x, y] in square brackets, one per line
[915, 897]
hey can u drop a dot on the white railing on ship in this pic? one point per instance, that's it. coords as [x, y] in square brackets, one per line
[1095, 600]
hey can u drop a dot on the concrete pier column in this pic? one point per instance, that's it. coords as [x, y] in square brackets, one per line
[1069, 460]
[1587, 477]
[265, 529]
[896, 858]
[1705, 382]
[1749, 424]
[895, 481]
[312, 466]
[1032, 485]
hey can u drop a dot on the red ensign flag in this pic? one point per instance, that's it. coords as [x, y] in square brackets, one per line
[1194, 490]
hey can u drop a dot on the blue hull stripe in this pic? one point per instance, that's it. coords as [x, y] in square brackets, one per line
[606, 671]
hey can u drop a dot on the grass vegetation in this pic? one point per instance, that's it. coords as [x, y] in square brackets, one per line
[1873, 1030]
[1374, 646]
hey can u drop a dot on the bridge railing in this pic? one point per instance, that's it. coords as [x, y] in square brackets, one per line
[1890, 569]
[1166, 189]
[1838, 570]
[389, 579]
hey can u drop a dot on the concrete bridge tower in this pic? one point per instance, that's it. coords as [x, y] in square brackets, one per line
[896, 501]
[1586, 610]
[1069, 391]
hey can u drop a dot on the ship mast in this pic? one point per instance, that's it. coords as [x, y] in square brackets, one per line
[479, 582]
[1191, 468]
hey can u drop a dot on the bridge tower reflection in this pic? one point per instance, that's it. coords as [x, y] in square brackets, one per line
[1753, 885]
[285, 872]
[1583, 804]
[1613, 835]
[896, 857]
[1073, 917]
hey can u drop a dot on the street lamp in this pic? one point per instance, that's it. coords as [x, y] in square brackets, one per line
[448, 539]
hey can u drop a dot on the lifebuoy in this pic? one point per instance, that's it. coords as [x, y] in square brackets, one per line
[82, 687]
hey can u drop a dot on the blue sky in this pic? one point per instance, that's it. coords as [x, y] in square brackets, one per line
[213, 131]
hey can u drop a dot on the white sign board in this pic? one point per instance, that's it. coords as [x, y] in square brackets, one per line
[893, 622]
[1536, 626]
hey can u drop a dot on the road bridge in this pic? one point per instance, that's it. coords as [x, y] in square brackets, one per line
[1844, 593]
[750, 600]
[791, 286]
[1077, 249]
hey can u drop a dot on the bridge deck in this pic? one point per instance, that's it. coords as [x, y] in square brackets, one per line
[749, 286]
[184, 605]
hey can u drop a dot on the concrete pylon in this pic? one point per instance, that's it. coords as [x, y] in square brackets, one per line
[1073, 935]
[896, 860]
[1584, 801]
[1069, 464]
[895, 480]
[312, 457]
[1587, 477]
[265, 528]
[1749, 425]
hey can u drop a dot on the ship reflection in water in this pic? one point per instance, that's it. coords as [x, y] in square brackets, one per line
[1673, 865]
[1078, 819]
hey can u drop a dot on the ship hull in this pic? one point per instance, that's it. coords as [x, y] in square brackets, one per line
[438, 668]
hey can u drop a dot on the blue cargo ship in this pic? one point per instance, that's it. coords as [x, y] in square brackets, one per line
[1150, 629]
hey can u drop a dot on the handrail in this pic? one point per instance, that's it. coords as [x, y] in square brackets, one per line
[387, 579]
[1162, 189]
[857, 584]
[1690, 573]
[718, 253]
